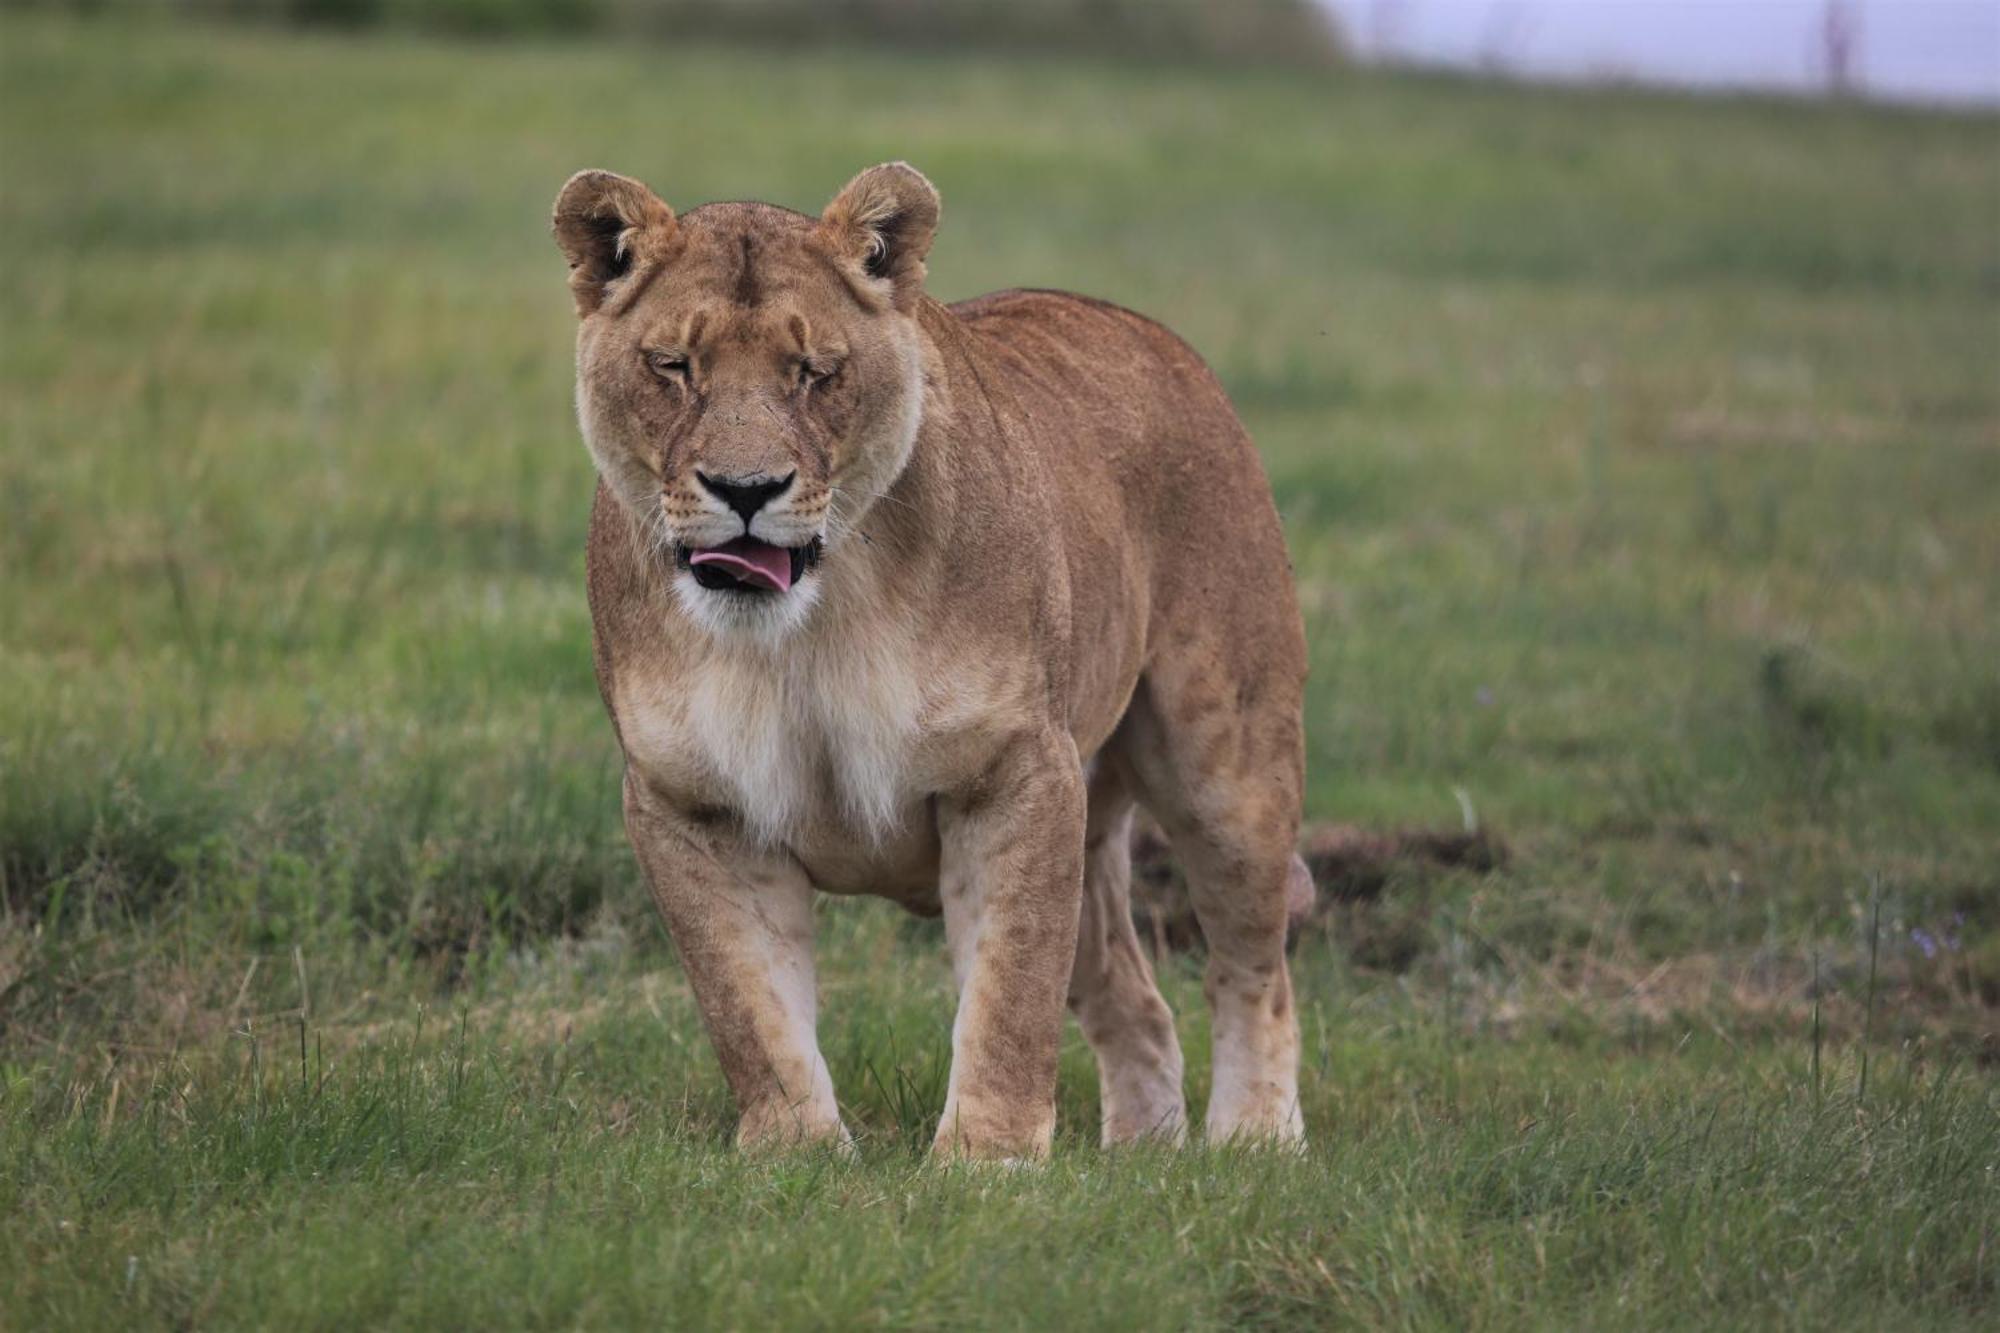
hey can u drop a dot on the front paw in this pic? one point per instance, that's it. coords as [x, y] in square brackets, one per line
[982, 1132]
[782, 1127]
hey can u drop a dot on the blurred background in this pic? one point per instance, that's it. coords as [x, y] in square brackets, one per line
[1637, 449]
[1625, 373]
[1908, 50]
[1903, 50]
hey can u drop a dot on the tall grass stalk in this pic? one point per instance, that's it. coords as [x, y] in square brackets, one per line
[1874, 951]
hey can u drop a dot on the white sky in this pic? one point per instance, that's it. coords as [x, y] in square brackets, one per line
[1926, 50]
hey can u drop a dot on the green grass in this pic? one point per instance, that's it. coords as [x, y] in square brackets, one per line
[520, 1167]
[1640, 459]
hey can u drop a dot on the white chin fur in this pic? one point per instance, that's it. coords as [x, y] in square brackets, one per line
[762, 616]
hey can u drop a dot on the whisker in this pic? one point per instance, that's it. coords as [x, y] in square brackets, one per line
[658, 539]
[872, 495]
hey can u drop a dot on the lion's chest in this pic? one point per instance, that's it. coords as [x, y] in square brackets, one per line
[802, 752]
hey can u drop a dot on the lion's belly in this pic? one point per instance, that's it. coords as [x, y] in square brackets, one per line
[902, 866]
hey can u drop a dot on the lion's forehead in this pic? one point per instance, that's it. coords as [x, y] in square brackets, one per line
[748, 258]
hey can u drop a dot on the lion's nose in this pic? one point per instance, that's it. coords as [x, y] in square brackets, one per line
[746, 495]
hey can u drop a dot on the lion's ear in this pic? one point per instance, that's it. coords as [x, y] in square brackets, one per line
[882, 222]
[605, 223]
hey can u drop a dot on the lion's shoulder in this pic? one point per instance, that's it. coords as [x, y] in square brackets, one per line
[1084, 349]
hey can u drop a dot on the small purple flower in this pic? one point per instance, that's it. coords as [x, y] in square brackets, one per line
[1924, 940]
[1483, 696]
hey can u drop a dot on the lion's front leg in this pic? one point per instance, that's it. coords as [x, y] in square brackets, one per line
[1012, 882]
[742, 921]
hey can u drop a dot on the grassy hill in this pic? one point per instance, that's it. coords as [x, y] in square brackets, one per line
[1640, 460]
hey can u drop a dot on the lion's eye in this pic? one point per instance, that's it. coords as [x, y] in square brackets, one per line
[813, 373]
[668, 365]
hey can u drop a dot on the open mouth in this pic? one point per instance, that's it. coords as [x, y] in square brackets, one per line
[747, 565]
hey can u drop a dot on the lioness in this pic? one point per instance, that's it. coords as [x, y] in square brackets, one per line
[917, 600]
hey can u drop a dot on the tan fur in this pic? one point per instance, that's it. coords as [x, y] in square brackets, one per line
[1053, 584]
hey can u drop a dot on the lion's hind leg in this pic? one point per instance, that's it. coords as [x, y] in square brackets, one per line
[1112, 991]
[1223, 783]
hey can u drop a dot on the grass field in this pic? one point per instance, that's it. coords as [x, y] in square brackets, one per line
[1640, 459]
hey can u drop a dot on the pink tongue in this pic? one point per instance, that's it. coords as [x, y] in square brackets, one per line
[750, 561]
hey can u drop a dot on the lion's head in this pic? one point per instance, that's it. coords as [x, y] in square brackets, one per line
[749, 379]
